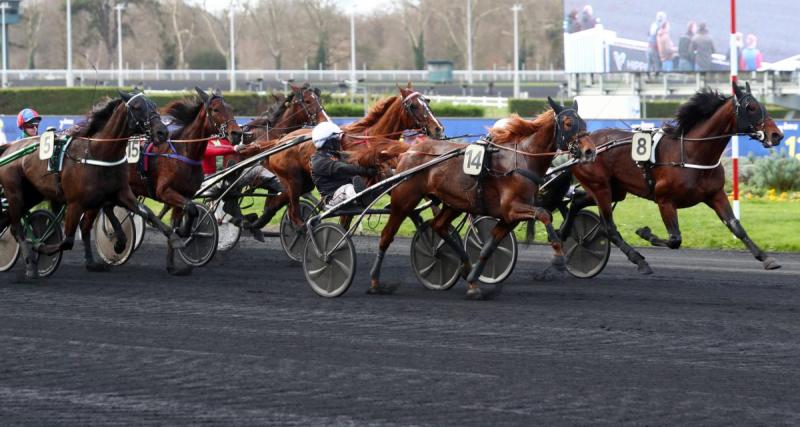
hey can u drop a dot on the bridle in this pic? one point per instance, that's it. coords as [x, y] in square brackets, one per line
[143, 126]
[420, 123]
[744, 125]
[221, 128]
[566, 140]
[311, 118]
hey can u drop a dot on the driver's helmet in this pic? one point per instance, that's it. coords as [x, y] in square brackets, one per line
[323, 132]
[26, 116]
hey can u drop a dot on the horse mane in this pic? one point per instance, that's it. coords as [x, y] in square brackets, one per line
[517, 128]
[373, 116]
[97, 118]
[699, 108]
[184, 111]
[382, 154]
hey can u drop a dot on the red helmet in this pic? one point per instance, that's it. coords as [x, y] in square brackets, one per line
[27, 115]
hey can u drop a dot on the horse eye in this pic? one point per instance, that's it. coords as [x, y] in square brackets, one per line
[751, 107]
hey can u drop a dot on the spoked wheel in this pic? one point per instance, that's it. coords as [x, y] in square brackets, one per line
[201, 244]
[331, 272]
[500, 265]
[105, 238]
[9, 249]
[141, 226]
[293, 238]
[587, 247]
[43, 228]
[228, 233]
[436, 265]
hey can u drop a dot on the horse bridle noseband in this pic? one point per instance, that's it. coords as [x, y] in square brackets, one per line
[421, 124]
[742, 117]
[566, 141]
[312, 118]
[142, 125]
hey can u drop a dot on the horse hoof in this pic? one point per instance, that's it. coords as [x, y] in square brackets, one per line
[644, 268]
[97, 267]
[185, 271]
[175, 241]
[771, 264]
[551, 273]
[645, 233]
[381, 289]
[476, 294]
[257, 234]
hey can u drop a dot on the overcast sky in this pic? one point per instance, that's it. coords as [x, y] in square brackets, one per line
[361, 6]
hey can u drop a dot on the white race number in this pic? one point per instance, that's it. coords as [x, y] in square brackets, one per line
[133, 150]
[46, 142]
[473, 159]
[641, 146]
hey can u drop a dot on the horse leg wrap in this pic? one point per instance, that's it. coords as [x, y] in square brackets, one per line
[448, 238]
[190, 208]
[486, 251]
[552, 236]
[736, 228]
[375, 272]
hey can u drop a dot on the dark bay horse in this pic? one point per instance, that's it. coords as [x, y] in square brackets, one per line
[687, 169]
[94, 175]
[301, 107]
[518, 155]
[387, 119]
[174, 172]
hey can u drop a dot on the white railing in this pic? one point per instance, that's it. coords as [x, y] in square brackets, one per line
[142, 74]
[483, 101]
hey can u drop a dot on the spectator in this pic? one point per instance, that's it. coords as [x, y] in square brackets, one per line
[653, 58]
[587, 18]
[685, 54]
[702, 47]
[751, 56]
[666, 50]
[572, 24]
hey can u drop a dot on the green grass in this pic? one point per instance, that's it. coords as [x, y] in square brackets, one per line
[773, 225]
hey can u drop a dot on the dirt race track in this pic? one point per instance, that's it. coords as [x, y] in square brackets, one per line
[710, 338]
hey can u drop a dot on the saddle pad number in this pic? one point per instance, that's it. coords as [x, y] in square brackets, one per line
[133, 150]
[641, 146]
[46, 143]
[473, 159]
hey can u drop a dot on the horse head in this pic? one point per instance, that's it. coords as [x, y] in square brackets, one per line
[143, 116]
[571, 134]
[417, 109]
[307, 104]
[752, 118]
[220, 115]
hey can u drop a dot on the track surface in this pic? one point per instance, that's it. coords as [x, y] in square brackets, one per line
[709, 339]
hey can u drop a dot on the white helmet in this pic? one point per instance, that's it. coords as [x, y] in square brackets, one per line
[324, 131]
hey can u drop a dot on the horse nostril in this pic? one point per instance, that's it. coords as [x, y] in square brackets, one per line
[776, 137]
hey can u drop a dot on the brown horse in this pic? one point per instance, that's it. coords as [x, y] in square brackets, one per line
[174, 172]
[686, 171]
[94, 175]
[302, 107]
[518, 155]
[387, 119]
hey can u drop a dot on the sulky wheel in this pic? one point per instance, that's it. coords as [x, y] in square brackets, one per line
[330, 272]
[587, 247]
[43, 228]
[500, 265]
[436, 265]
[228, 233]
[105, 238]
[9, 249]
[293, 238]
[201, 245]
[141, 227]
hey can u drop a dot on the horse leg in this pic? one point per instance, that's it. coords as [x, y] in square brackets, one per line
[558, 265]
[126, 199]
[441, 225]
[29, 255]
[499, 232]
[86, 229]
[669, 215]
[603, 199]
[271, 207]
[177, 216]
[71, 220]
[399, 212]
[719, 203]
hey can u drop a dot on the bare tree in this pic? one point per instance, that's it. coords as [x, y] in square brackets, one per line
[269, 17]
[183, 36]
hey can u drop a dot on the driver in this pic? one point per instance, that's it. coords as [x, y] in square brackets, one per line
[28, 123]
[335, 179]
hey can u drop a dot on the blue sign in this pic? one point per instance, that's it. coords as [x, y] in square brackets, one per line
[471, 126]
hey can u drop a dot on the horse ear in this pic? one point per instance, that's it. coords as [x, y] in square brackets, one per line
[217, 92]
[737, 91]
[557, 108]
[202, 94]
[575, 105]
[409, 86]
[747, 87]
[125, 95]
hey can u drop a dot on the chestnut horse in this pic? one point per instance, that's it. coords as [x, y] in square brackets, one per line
[94, 176]
[517, 156]
[389, 118]
[687, 170]
[174, 172]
